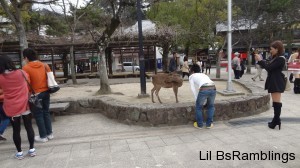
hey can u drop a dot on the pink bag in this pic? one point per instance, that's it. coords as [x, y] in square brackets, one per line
[295, 65]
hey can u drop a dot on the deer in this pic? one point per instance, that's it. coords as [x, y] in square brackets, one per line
[166, 80]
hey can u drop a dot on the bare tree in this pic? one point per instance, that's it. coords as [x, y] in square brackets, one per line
[15, 15]
[72, 18]
[165, 36]
[113, 13]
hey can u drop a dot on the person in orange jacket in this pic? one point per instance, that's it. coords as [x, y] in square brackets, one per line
[37, 72]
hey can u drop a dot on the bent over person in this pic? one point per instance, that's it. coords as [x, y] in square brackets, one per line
[203, 89]
[38, 77]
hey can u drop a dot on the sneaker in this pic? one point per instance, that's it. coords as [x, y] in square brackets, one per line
[211, 125]
[2, 138]
[39, 139]
[196, 125]
[31, 152]
[19, 155]
[50, 136]
[253, 79]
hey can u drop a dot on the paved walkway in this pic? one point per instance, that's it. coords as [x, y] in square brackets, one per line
[92, 140]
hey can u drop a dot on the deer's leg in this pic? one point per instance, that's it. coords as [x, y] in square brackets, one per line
[156, 92]
[152, 90]
[175, 89]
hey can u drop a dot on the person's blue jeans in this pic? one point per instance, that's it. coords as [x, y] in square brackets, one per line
[210, 96]
[4, 120]
[42, 116]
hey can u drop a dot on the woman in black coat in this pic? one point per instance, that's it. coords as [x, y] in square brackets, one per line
[275, 83]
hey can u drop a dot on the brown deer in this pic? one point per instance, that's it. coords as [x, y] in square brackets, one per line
[166, 80]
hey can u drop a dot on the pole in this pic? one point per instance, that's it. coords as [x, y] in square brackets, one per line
[229, 87]
[141, 51]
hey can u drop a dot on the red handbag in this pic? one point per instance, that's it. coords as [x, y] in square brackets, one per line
[292, 66]
[295, 65]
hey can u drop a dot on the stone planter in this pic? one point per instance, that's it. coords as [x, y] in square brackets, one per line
[255, 102]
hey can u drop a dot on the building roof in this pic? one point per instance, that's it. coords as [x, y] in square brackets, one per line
[147, 26]
[241, 24]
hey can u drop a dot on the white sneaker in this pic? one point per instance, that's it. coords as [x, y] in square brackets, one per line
[19, 155]
[50, 136]
[39, 139]
[31, 152]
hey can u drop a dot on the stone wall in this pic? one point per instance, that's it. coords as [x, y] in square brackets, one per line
[255, 102]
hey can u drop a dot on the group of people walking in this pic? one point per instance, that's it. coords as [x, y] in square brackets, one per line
[185, 69]
[14, 95]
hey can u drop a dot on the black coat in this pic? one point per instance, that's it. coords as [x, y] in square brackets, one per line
[275, 80]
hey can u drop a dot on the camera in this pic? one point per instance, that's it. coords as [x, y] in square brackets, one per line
[253, 51]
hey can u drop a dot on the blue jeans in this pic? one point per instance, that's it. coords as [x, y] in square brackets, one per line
[42, 116]
[4, 120]
[210, 96]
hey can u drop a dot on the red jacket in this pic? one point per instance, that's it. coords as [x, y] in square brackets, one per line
[15, 92]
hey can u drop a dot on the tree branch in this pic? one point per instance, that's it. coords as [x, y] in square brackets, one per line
[8, 12]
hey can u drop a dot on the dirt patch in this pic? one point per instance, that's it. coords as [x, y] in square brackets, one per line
[128, 92]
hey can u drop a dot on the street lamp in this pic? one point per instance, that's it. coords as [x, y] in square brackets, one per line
[141, 51]
[229, 87]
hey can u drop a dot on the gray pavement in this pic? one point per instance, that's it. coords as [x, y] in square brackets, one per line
[92, 140]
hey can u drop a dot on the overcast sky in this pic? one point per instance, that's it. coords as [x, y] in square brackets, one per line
[58, 8]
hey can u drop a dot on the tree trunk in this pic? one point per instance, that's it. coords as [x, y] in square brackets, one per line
[218, 67]
[72, 65]
[104, 84]
[187, 49]
[165, 57]
[109, 58]
[249, 57]
[22, 37]
[65, 65]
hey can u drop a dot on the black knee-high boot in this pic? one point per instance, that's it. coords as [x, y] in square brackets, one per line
[276, 119]
[291, 77]
[297, 86]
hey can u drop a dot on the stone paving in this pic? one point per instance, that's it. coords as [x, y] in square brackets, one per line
[92, 140]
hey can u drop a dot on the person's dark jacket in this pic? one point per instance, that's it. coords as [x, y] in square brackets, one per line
[172, 65]
[275, 80]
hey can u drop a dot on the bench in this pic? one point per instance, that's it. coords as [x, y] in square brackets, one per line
[56, 108]
[61, 80]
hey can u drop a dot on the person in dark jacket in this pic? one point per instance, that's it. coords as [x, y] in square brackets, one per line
[275, 83]
[172, 64]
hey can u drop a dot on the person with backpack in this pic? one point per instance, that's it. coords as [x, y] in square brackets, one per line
[236, 65]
